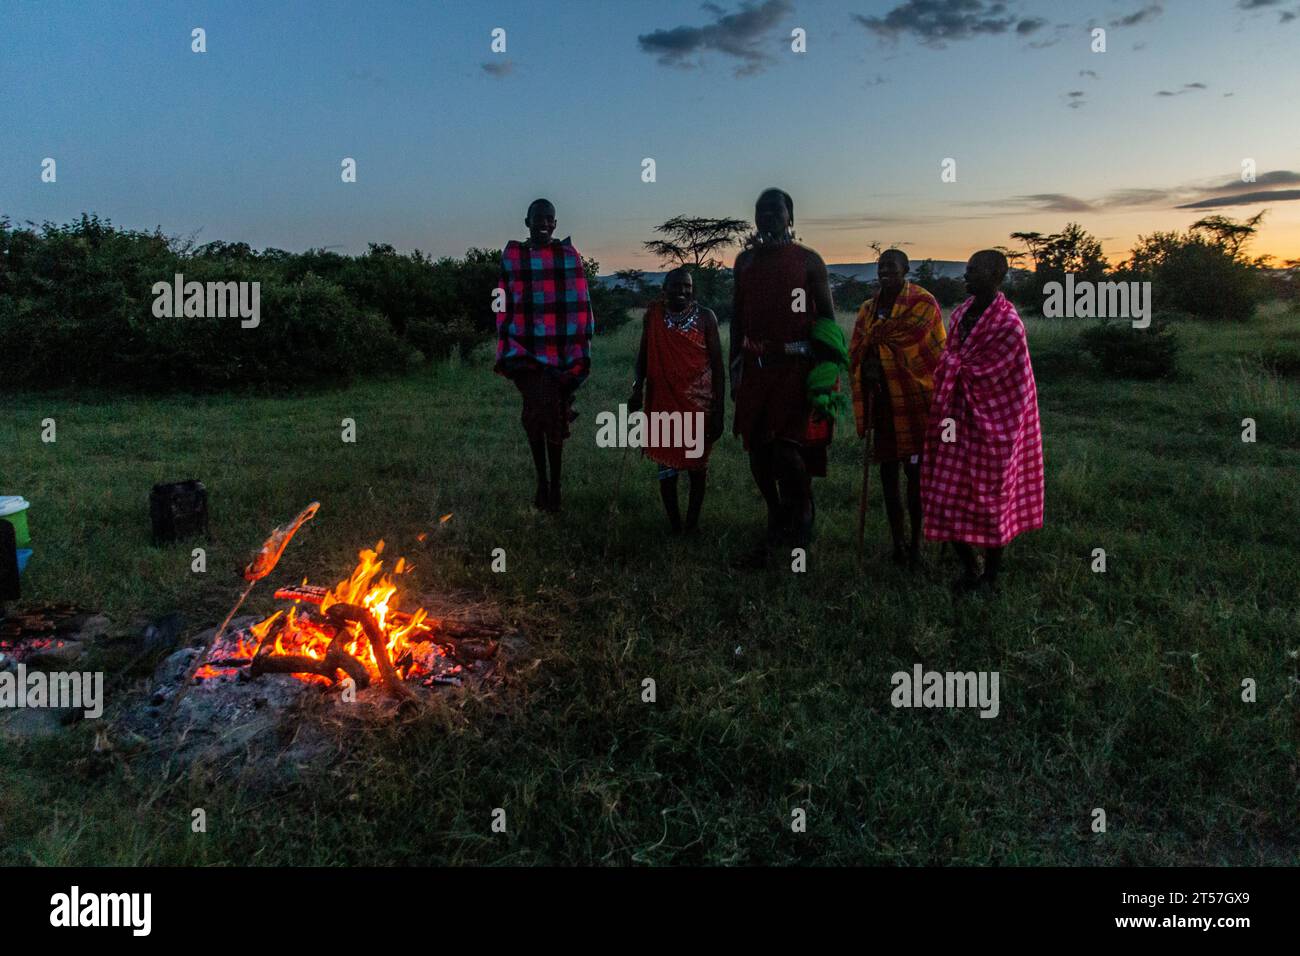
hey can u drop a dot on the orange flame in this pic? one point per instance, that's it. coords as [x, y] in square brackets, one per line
[309, 635]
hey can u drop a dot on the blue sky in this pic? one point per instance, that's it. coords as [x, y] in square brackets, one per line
[244, 142]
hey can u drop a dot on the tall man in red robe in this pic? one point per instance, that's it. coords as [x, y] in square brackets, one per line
[781, 289]
[982, 469]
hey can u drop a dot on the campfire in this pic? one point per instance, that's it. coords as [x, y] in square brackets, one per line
[355, 630]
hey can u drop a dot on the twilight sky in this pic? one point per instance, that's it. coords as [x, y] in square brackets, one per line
[244, 142]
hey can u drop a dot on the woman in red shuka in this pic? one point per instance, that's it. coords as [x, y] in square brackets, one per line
[679, 369]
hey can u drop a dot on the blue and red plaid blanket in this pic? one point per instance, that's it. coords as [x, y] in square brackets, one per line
[547, 319]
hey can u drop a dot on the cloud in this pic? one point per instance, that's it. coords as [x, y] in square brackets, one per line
[738, 35]
[1135, 196]
[1059, 33]
[1245, 199]
[937, 22]
[1200, 195]
[1277, 177]
[1045, 202]
[1186, 88]
[1283, 16]
[498, 68]
[1142, 15]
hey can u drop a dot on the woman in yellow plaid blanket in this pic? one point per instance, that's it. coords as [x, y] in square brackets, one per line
[898, 340]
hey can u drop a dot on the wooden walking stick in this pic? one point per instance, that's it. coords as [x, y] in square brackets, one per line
[866, 473]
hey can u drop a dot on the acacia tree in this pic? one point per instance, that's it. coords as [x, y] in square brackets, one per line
[1229, 234]
[694, 240]
[1073, 249]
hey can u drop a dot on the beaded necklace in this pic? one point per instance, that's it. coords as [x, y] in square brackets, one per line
[682, 321]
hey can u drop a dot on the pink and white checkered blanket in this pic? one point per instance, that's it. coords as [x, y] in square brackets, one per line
[985, 486]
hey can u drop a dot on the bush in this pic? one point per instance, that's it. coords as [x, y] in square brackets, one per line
[1281, 361]
[1194, 274]
[1126, 352]
[79, 299]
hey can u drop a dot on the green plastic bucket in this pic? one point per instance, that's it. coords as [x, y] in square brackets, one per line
[13, 508]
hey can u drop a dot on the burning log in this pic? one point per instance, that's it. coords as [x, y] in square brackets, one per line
[468, 651]
[343, 614]
[354, 627]
[336, 658]
[295, 664]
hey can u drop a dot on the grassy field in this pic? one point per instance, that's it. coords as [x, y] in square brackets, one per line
[1119, 690]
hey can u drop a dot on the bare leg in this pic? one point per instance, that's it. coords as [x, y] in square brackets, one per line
[971, 579]
[913, 472]
[796, 492]
[762, 468]
[538, 447]
[698, 480]
[555, 451]
[668, 492]
[992, 563]
[967, 555]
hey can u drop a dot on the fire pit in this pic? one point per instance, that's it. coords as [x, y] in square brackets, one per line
[286, 690]
[356, 632]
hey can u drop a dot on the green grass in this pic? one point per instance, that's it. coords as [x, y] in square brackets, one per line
[1118, 690]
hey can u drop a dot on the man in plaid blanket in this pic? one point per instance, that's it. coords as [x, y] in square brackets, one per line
[897, 343]
[544, 327]
[982, 469]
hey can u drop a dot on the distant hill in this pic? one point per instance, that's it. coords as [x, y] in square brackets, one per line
[866, 271]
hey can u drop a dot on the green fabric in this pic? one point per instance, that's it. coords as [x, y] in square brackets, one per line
[829, 343]
[832, 350]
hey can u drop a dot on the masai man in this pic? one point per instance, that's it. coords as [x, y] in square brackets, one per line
[679, 372]
[897, 343]
[544, 339]
[982, 468]
[783, 333]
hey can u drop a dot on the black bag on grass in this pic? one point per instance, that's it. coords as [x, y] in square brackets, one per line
[178, 510]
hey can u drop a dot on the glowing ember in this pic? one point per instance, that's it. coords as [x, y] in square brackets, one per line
[308, 632]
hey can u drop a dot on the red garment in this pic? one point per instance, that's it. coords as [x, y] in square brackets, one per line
[678, 378]
[986, 486]
[772, 398]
